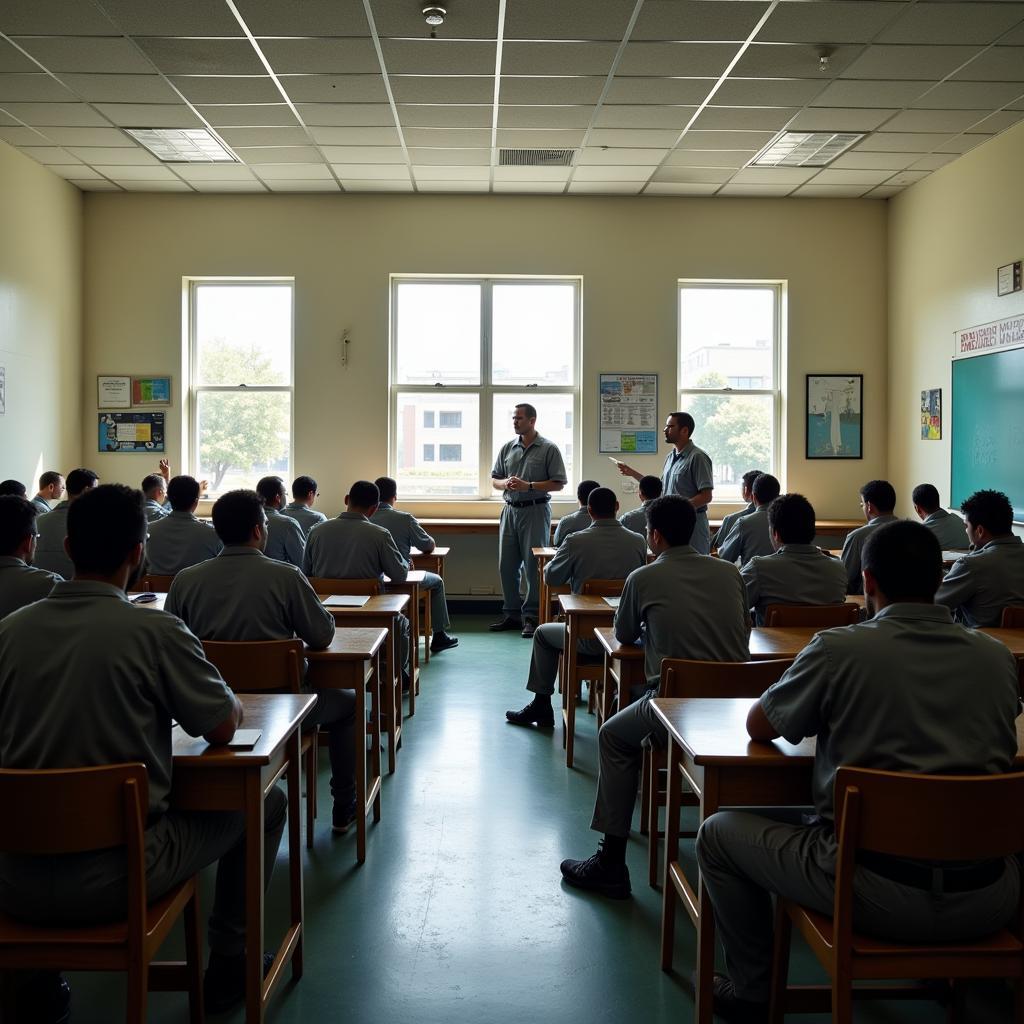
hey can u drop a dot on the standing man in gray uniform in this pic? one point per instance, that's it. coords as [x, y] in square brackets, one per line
[878, 499]
[20, 583]
[580, 519]
[527, 470]
[51, 488]
[636, 518]
[179, 540]
[949, 529]
[154, 487]
[949, 708]
[687, 472]
[300, 508]
[682, 605]
[50, 553]
[751, 536]
[407, 533]
[798, 572]
[285, 540]
[606, 550]
[730, 521]
[982, 583]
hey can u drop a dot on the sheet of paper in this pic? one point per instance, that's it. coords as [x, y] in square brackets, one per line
[345, 601]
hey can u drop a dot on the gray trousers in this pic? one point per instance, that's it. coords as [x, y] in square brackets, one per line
[335, 710]
[701, 539]
[520, 530]
[548, 644]
[438, 602]
[744, 858]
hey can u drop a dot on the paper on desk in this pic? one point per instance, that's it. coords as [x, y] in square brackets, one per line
[345, 601]
[612, 602]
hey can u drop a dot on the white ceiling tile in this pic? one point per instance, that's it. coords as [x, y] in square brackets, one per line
[970, 95]
[13, 60]
[902, 142]
[536, 173]
[437, 57]
[577, 89]
[631, 138]
[709, 158]
[71, 115]
[375, 185]
[478, 20]
[885, 192]
[698, 20]
[792, 60]
[53, 17]
[264, 136]
[180, 18]
[887, 94]
[346, 115]
[91, 137]
[364, 155]
[851, 176]
[897, 63]
[693, 175]
[438, 116]
[155, 186]
[557, 58]
[550, 187]
[278, 154]
[606, 188]
[427, 173]
[774, 175]
[85, 54]
[19, 136]
[961, 143]
[303, 185]
[355, 136]
[214, 172]
[999, 121]
[126, 173]
[739, 140]
[309, 18]
[121, 88]
[48, 154]
[229, 186]
[255, 115]
[33, 88]
[597, 157]
[875, 161]
[454, 138]
[292, 172]
[456, 186]
[441, 88]
[663, 91]
[777, 191]
[383, 172]
[321, 56]
[905, 178]
[227, 88]
[854, 21]
[814, 191]
[952, 23]
[767, 92]
[611, 173]
[199, 56]
[839, 119]
[79, 172]
[96, 185]
[541, 19]
[451, 157]
[550, 138]
[544, 117]
[134, 156]
[643, 117]
[753, 118]
[694, 60]
[670, 188]
[150, 115]
[933, 121]
[932, 162]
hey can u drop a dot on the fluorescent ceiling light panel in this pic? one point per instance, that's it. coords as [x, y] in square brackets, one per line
[804, 149]
[182, 145]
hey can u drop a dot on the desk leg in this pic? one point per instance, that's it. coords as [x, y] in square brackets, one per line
[375, 734]
[254, 896]
[359, 735]
[704, 1010]
[294, 748]
[544, 606]
[569, 687]
[414, 647]
[668, 889]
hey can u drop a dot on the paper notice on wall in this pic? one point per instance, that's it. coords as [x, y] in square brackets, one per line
[628, 410]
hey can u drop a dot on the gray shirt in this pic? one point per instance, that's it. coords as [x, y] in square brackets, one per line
[285, 540]
[405, 530]
[243, 595]
[21, 584]
[982, 583]
[604, 551]
[177, 541]
[352, 548]
[852, 548]
[572, 523]
[87, 679]
[949, 530]
[155, 511]
[53, 528]
[906, 691]
[795, 574]
[541, 461]
[636, 519]
[305, 516]
[749, 537]
[685, 605]
[687, 473]
[729, 522]
[41, 504]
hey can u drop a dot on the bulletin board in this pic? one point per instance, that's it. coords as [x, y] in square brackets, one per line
[131, 432]
[628, 413]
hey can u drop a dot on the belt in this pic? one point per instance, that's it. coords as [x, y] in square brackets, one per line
[937, 878]
[524, 504]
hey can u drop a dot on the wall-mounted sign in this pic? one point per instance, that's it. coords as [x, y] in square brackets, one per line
[151, 390]
[131, 432]
[1008, 279]
[628, 412]
[992, 337]
[114, 392]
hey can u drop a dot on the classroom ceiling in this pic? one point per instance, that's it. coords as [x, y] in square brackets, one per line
[654, 97]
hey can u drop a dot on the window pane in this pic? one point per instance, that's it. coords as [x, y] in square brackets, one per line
[243, 334]
[736, 431]
[437, 333]
[532, 334]
[454, 467]
[551, 410]
[243, 437]
[726, 336]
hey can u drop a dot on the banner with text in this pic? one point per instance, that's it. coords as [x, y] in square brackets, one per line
[987, 338]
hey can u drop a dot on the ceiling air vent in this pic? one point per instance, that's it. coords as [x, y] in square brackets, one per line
[535, 157]
[804, 149]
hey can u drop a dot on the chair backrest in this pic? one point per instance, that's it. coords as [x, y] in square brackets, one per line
[603, 588]
[151, 582]
[258, 666]
[823, 615]
[681, 677]
[326, 585]
[1013, 617]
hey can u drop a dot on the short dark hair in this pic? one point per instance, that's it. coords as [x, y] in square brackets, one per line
[80, 480]
[183, 493]
[766, 488]
[683, 419]
[103, 527]
[881, 494]
[906, 560]
[583, 489]
[386, 487]
[17, 519]
[363, 494]
[673, 517]
[530, 411]
[302, 487]
[926, 497]
[791, 516]
[270, 487]
[750, 476]
[650, 487]
[601, 502]
[236, 514]
[12, 487]
[51, 476]
[153, 483]
[991, 509]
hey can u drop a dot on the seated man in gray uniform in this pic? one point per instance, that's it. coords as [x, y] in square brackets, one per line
[179, 540]
[86, 679]
[982, 583]
[730, 521]
[750, 536]
[300, 508]
[50, 553]
[243, 595]
[949, 708]
[635, 519]
[798, 572]
[285, 540]
[154, 487]
[878, 499]
[407, 533]
[606, 550]
[12, 489]
[580, 519]
[682, 605]
[20, 583]
[51, 488]
[949, 529]
[350, 547]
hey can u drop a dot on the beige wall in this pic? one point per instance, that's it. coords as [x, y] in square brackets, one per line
[40, 319]
[947, 236]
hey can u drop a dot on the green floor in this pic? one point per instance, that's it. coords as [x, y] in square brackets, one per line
[459, 912]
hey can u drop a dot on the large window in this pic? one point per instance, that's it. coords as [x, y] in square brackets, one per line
[729, 345]
[240, 399]
[463, 353]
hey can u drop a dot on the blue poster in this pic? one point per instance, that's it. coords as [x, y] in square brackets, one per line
[131, 432]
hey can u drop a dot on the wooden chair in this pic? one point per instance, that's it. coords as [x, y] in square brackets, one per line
[683, 678]
[595, 688]
[325, 585]
[152, 582]
[918, 817]
[824, 615]
[1013, 617]
[79, 810]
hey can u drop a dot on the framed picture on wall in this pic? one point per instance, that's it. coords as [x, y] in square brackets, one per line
[835, 416]
[931, 415]
[151, 390]
[113, 392]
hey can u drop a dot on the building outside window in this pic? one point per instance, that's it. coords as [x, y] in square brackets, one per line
[451, 419]
[451, 453]
[428, 453]
[428, 418]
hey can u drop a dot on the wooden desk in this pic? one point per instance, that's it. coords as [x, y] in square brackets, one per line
[411, 587]
[432, 562]
[543, 556]
[623, 668]
[209, 778]
[352, 662]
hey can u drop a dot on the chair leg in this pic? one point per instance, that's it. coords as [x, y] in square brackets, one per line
[645, 782]
[780, 964]
[842, 999]
[194, 958]
[428, 628]
[138, 993]
[1018, 1002]
[311, 790]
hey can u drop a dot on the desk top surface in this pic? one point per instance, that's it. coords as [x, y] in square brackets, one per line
[351, 644]
[627, 652]
[585, 604]
[377, 604]
[412, 576]
[436, 552]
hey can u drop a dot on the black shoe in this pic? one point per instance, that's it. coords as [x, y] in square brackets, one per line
[596, 874]
[44, 997]
[344, 817]
[730, 1008]
[442, 642]
[224, 981]
[535, 713]
[507, 622]
[529, 626]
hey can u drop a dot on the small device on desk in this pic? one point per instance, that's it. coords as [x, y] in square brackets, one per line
[244, 739]
[144, 599]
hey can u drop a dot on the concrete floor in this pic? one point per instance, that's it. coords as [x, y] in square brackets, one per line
[459, 912]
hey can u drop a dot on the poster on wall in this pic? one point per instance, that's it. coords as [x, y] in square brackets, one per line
[114, 392]
[835, 419]
[131, 432]
[628, 413]
[931, 415]
[151, 390]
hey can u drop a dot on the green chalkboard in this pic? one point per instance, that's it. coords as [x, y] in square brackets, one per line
[988, 427]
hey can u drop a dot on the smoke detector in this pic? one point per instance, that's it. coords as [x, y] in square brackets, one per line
[434, 14]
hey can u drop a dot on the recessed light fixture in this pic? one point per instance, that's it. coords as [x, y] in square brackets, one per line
[434, 14]
[805, 149]
[182, 145]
